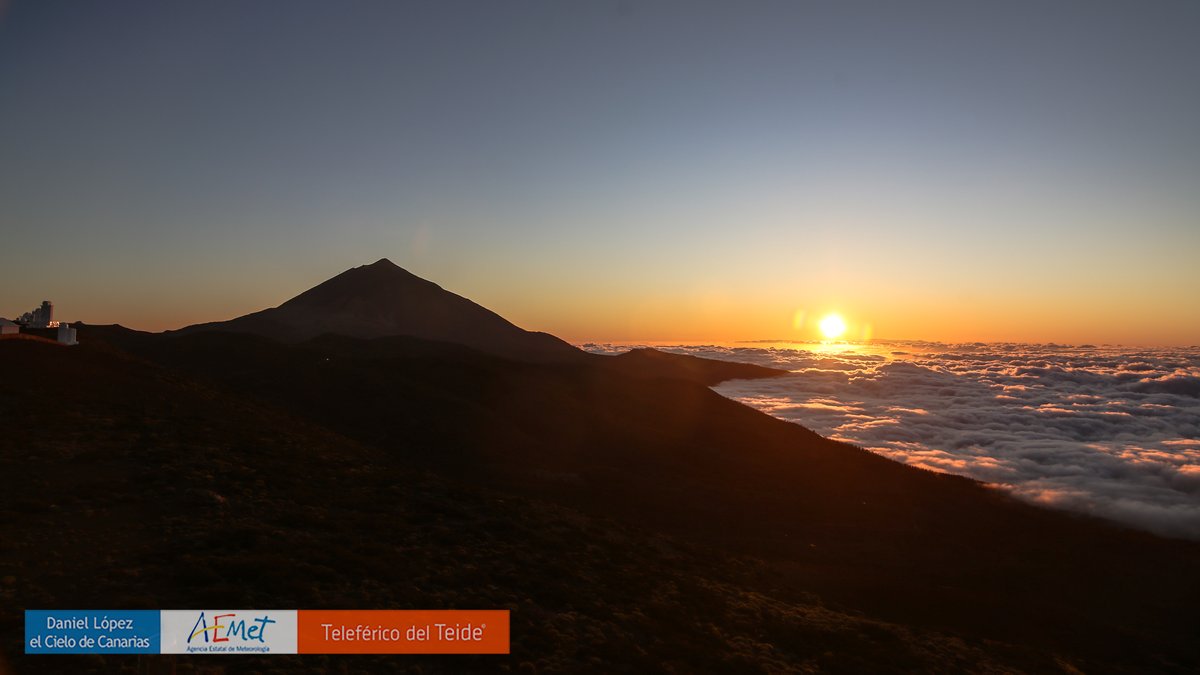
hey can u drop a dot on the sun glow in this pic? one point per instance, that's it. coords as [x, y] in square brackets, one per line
[832, 326]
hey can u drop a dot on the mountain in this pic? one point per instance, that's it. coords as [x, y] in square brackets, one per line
[387, 302]
[631, 518]
[383, 299]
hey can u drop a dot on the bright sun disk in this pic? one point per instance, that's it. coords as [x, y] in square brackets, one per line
[832, 326]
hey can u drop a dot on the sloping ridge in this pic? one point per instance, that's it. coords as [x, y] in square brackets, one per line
[383, 299]
[669, 455]
[124, 513]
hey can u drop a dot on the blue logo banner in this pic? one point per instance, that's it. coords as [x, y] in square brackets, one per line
[91, 631]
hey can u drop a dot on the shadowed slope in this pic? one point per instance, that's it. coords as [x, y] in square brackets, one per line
[134, 487]
[897, 542]
[639, 363]
[645, 362]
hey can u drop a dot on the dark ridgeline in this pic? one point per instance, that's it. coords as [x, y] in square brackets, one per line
[632, 519]
[382, 299]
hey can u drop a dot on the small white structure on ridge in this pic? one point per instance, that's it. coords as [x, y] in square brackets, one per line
[66, 334]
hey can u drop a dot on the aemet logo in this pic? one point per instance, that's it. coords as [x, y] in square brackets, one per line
[233, 626]
[228, 631]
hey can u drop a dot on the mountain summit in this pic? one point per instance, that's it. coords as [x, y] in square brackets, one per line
[383, 299]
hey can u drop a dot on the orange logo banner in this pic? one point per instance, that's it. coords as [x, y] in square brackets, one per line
[402, 631]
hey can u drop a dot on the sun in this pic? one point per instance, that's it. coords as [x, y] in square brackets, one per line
[832, 326]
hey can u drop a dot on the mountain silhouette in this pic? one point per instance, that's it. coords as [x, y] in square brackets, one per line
[382, 300]
[229, 468]
[381, 429]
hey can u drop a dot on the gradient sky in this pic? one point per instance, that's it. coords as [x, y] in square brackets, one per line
[685, 171]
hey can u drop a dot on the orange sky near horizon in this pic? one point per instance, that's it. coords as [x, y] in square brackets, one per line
[582, 309]
[723, 324]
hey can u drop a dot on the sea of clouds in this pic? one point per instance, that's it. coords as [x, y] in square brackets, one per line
[1110, 431]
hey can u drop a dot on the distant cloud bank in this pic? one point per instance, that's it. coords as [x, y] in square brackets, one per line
[1109, 431]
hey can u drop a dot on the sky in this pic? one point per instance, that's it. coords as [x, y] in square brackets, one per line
[615, 171]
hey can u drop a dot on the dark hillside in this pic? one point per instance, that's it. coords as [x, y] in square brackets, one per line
[126, 485]
[899, 543]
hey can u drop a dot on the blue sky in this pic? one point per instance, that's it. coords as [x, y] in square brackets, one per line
[643, 171]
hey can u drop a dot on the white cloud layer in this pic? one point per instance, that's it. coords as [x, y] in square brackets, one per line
[1110, 431]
